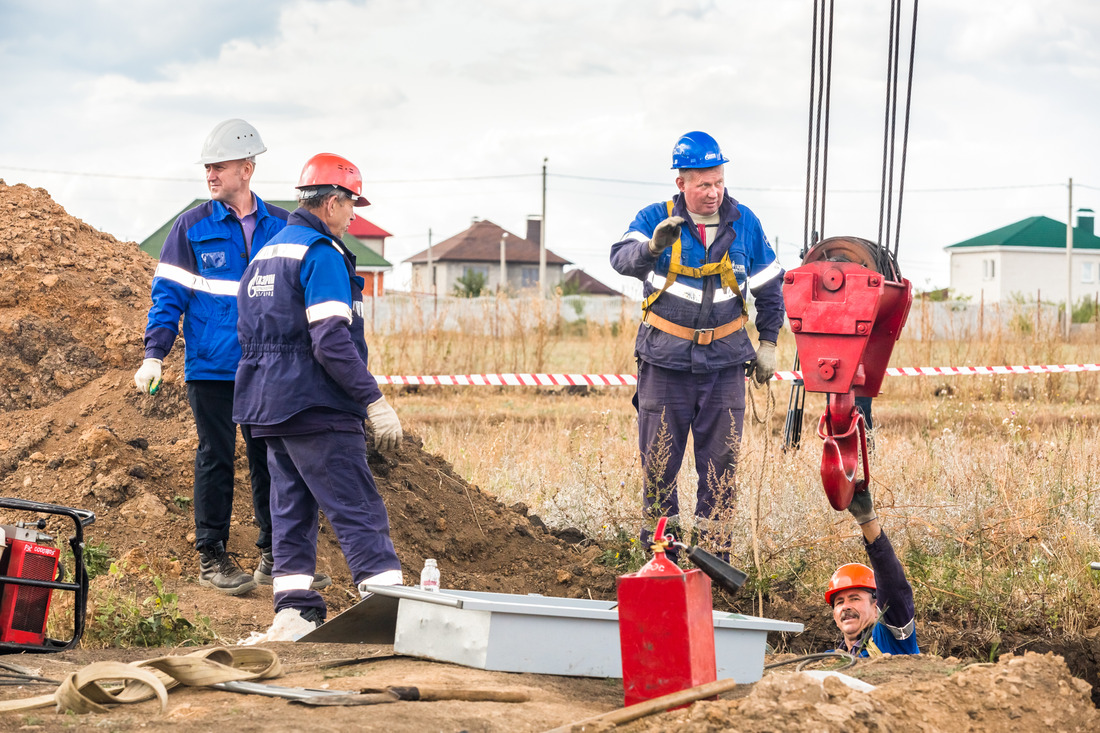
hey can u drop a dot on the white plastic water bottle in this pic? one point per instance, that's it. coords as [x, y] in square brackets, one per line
[429, 576]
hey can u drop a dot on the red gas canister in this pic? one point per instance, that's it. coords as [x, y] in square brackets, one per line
[666, 628]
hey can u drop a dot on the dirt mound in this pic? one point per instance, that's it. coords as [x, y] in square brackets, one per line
[72, 300]
[1032, 692]
[74, 431]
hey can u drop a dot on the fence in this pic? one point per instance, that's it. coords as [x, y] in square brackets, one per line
[502, 316]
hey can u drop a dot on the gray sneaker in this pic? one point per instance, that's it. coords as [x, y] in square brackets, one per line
[219, 570]
[262, 573]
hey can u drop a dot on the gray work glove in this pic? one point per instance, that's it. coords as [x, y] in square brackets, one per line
[763, 366]
[665, 234]
[148, 377]
[861, 507]
[387, 428]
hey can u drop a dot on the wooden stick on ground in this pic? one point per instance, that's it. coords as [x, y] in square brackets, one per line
[649, 707]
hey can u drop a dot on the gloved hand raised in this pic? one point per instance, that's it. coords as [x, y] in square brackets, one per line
[147, 377]
[862, 508]
[763, 366]
[387, 428]
[665, 234]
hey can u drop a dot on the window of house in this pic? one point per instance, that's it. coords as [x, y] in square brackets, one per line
[530, 277]
[482, 270]
[989, 269]
[1088, 272]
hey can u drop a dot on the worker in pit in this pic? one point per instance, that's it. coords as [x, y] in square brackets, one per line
[201, 263]
[859, 594]
[698, 256]
[303, 385]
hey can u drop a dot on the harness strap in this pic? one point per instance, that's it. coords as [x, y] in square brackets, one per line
[723, 268]
[700, 336]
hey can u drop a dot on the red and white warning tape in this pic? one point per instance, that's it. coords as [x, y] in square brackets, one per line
[518, 380]
[627, 380]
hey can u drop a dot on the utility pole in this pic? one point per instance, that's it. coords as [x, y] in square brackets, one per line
[1069, 262]
[542, 235]
[503, 264]
[431, 273]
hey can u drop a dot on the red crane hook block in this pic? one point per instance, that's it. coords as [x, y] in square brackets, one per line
[846, 316]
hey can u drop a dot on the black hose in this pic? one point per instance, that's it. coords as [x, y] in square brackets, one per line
[802, 661]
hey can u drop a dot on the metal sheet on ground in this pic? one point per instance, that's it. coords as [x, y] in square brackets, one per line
[372, 620]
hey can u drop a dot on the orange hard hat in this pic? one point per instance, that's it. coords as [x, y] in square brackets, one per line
[326, 169]
[846, 577]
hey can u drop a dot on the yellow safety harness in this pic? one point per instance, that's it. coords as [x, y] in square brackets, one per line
[723, 268]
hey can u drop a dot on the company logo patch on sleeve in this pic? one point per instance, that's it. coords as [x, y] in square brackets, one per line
[261, 286]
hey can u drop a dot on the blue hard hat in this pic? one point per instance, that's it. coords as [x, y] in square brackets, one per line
[697, 150]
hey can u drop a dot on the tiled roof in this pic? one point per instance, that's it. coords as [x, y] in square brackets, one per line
[587, 285]
[481, 243]
[1035, 231]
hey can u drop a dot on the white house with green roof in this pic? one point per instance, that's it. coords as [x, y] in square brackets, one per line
[365, 240]
[1027, 259]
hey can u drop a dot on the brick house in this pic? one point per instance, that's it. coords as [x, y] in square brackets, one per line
[478, 250]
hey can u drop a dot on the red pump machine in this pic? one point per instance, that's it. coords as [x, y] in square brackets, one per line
[30, 571]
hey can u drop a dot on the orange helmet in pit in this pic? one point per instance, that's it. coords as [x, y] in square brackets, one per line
[847, 577]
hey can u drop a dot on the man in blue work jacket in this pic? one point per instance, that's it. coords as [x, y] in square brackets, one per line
[200, 266]
[859, 594]
[303, 384]
[698, 256]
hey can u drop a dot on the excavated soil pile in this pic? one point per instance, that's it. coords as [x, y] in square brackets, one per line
[75, 431]
[1032, 692]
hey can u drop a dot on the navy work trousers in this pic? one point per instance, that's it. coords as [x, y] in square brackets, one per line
[212, 405]
[711, 406]
[327, 470]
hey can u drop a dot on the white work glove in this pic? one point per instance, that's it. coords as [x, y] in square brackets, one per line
[387, 428]
[665, 234]
[764, 364]
[862, 508]
[147, 377]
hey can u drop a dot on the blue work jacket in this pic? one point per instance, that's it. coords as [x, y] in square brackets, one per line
[200, 269]
[896, 633]
[301, 330]
[702, 303]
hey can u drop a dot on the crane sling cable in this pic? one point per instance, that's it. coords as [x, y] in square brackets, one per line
[817, 161]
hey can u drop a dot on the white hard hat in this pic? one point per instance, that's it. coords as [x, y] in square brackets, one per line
[231, 140]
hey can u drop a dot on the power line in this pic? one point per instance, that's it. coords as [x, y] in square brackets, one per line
[597, 179]
[266, 183]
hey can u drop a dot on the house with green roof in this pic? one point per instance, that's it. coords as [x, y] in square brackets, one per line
[365, 240]
[1028, 258]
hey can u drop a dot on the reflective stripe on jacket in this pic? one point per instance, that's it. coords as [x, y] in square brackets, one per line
[200, 269]
[302, 284]
[700, 303]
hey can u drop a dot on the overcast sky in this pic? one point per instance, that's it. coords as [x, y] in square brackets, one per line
[449, 108]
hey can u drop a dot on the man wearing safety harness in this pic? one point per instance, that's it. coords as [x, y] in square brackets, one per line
[303, 384]
[201, 263]
[873, 608]
[698, 256]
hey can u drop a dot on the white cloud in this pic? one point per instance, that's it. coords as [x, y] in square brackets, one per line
[1005, 93]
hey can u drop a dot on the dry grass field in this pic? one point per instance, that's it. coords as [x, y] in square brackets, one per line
[989, 486]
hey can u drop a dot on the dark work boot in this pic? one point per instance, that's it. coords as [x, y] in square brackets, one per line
[219, 570]
[262, 573]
